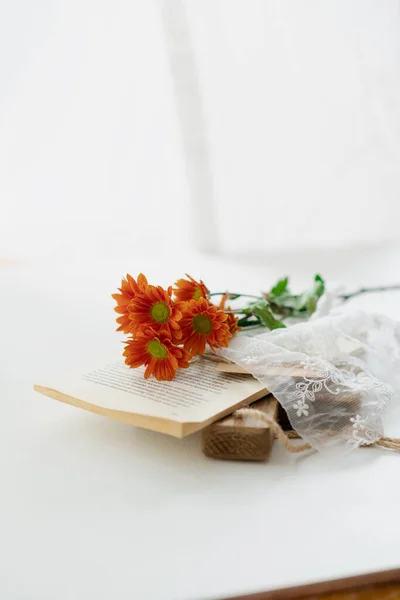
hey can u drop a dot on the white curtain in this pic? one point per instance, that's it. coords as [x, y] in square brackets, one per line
[240, 126]
[302, 103]
[90, 159]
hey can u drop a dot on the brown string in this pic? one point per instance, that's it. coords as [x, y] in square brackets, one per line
[388, 442]
[276, 428]
[284, 437]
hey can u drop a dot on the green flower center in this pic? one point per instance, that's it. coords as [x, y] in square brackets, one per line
[159, 312]
[197, 294]
[157, 349]
[202, 324]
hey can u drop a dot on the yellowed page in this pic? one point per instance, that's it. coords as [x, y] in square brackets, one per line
[198, 395]
[224, 367]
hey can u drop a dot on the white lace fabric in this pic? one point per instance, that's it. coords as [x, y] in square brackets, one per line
[334, 375]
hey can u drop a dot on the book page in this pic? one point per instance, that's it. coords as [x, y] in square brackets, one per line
[195, 395]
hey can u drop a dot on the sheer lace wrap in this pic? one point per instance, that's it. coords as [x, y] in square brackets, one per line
[334, 375]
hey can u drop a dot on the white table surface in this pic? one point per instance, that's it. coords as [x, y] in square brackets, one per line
[92, 508]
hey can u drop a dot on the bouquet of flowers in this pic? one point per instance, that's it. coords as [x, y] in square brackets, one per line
[334, 372]
[166, 328]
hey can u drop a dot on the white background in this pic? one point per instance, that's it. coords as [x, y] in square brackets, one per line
[235, 127]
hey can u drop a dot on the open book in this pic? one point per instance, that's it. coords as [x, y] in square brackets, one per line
[197, 397]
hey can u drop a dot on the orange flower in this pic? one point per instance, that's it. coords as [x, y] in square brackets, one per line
[231, 320]
[190, 290]
[153, 307]
[201, 324]
[156, 352]
[129, 288]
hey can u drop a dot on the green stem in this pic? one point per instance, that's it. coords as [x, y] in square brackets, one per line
[371, 290]
[255, 326]
[234, 294]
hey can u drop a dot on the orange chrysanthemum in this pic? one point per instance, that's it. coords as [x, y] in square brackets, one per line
[157, 353]
[190, 289]
[203, 323]
[129, 288]
[153, 307]
[231, 320]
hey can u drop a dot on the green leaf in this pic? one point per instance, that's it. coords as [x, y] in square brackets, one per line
[319, 284]
[250, 323]
[262, 310]
[308, 300]
[243, 320]
[280, 287]
[233, 296]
